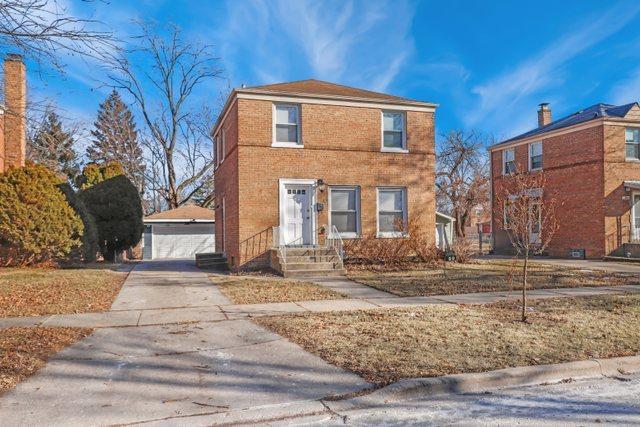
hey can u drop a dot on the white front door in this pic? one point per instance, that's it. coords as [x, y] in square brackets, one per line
[635, 217]
[298, 214]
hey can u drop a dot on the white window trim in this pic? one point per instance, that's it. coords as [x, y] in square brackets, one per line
[223, 145]
[405, 215]
[629, 159]
[404, 133]
[275, 143]
[530, 147]
[358, 212]
[504, 160]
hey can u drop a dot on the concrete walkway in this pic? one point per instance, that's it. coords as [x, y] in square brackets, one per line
[589, 264]
[170, 372]
[225, 312]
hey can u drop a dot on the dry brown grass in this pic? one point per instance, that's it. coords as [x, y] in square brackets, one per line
[386, 345]
[483, 277]
[25, 350]
[258, 290]
[39, 292]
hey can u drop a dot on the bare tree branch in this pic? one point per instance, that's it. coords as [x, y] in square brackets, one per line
[179, 136]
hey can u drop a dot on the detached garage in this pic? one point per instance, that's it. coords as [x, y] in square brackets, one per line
[179, 233]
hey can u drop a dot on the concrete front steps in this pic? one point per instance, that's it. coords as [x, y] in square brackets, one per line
[308, 262]
[212, 260]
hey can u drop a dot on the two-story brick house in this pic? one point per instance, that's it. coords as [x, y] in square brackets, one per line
[591, 162]
[308, 156]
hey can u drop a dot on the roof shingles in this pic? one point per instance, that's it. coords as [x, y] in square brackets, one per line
[186, 213]
[593, 112]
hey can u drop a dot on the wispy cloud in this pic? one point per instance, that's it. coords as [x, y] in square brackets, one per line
[500, 98]
[628, 90]
[354, 42]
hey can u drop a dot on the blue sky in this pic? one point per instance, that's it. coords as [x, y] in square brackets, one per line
[486, 63]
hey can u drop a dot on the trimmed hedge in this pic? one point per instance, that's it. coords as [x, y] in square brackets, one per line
[37, 224]
[115, 205]
[89, 248]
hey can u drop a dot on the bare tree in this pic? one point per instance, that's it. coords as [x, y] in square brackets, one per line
[179, 137]
[41, 29]
[529, 218]
[462, 179]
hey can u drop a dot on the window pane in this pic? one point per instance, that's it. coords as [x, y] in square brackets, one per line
[389, 222]
[536, 149]
[393, 139]
[390, 200]
[343, 199]
[393, 121]
[345, 222]
[287, 133]
[286, 114]
[632, 151]
[536, 162]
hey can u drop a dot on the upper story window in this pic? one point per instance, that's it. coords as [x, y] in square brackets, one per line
[394, 136]
[223, 145]
[508, 161]
[632, 141]
[535, 156]
[286, 125]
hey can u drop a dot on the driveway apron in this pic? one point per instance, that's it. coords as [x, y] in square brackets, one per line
[168, 373]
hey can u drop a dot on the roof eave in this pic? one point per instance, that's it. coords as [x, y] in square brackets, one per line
[338, 97]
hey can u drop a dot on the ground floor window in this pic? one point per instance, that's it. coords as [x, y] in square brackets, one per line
[392, 211]
[344, 207]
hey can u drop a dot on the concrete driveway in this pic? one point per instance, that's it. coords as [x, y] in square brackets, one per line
[169, 373]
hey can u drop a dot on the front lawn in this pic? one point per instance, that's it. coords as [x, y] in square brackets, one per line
[25, 350]
[258, 290]
[386, 345]
[483, 277]
[39, 292]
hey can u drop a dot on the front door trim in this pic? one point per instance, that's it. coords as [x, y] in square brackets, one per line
[283, 182]
[634, 230]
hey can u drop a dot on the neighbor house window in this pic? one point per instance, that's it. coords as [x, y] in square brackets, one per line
[632, 139]
[392, 212]
[508, 214]
[286, 129]
[344, 206]
[508, 161]
[535, 156]
[393, 131]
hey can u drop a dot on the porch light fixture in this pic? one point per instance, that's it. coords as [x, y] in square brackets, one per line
[320, 184]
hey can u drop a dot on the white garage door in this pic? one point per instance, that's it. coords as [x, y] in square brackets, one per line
[182, 240]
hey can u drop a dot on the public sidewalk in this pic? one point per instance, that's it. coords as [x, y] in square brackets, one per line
[215, 308]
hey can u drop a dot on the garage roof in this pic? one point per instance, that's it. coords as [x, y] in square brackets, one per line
[183, 213]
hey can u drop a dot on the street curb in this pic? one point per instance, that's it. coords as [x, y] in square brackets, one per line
[478, 382]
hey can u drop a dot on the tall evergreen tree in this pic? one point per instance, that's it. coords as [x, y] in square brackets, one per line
[52, 146]
[115, 138]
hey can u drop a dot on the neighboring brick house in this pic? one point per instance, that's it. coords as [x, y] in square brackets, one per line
[308, 154]
[12, 114]
[591, 161]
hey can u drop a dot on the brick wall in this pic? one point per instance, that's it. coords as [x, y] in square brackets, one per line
[14, 116]
[342, 147]
[573, 166]
[617, 201]
[226, 188]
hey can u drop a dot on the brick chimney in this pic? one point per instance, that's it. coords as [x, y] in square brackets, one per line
[15, 103]
[544, 114]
